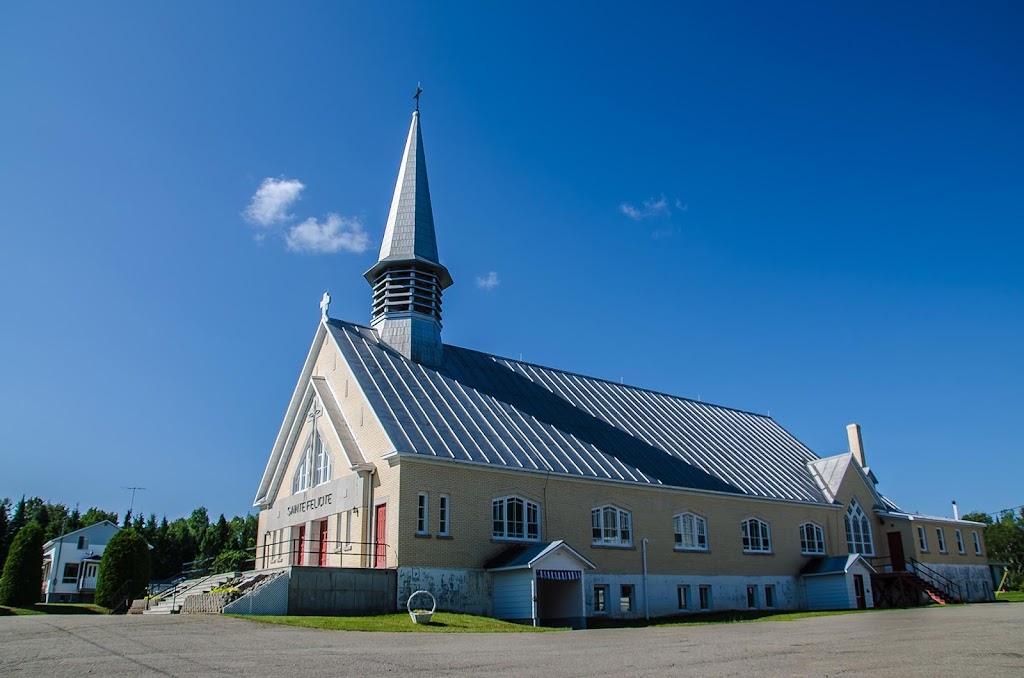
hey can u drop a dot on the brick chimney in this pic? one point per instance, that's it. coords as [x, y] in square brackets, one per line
[856, 444]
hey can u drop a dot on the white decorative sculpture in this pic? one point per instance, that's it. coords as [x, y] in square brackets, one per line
[325, 303]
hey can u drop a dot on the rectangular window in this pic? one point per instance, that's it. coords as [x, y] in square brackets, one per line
[691, 532]
[515, 518]
[751, 596]
[600, 599]
[769, 596]
[977, 543]
[83, 543]
[960, 547]
[70, 573]
[611, 526]
[922, 539]
[626, 598]
[756, 536]
[444, 516]
[812, 539]
[683, 595]
[705, 596]
[421, 514]
[941, 534]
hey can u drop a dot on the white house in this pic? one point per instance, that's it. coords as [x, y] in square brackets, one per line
[71, 563]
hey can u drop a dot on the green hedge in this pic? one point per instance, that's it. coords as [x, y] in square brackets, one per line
[126, 558]
[22, 582]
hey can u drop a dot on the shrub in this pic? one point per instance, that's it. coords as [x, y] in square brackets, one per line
[22, 580]
[126, 558]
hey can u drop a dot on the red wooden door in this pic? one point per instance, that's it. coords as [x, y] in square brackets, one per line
[899, 560]
[323, 543]
[858, 591]
[302, 545]
[381, 533]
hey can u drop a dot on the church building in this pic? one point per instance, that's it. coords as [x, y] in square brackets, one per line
[533, 494]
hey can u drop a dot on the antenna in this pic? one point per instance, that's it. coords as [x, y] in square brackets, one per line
[132, 488]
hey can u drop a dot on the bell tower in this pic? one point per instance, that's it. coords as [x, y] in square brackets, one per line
[408, 278]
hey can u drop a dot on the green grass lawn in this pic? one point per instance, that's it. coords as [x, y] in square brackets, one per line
[443, 622]
[1010, 596]
[53, 608]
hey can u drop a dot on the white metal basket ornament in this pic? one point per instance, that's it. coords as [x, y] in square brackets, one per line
[420, 615]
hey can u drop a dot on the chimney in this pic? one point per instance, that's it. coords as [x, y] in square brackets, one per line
[856, 444]
[956, 511]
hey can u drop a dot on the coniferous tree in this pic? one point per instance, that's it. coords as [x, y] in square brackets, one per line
[74, 521]
[95, 515]
[4, 525]
[22, 581]
[126, 558]
[18, 518]
[127, 520]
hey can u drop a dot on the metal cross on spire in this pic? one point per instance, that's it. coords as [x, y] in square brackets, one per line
[419, 91]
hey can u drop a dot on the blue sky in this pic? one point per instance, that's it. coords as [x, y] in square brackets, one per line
[807, 209]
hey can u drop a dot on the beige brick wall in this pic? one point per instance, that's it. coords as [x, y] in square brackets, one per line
[565, 514]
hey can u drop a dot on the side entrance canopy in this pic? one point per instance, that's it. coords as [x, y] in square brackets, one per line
[540, 584]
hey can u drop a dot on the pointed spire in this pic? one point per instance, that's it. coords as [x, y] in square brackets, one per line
[409, 233]
[408, 277]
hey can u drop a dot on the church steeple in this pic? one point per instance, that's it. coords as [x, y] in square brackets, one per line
[408, 278]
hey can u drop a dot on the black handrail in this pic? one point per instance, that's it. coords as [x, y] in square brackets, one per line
[950, 588]
[315, 551]
[122, 598]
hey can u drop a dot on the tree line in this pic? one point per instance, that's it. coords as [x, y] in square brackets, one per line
[221, 542]
[1004, 539]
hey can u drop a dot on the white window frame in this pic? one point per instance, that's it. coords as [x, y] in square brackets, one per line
[922, 538]
[422, 514]
[618, 533]
[977, 542]
[692, 528]
[812, 539]
[757, 535]
[961, 547]
[444, 516]
[323, 467]
[73, 578]
[526, 529]
[683, 597]
[859, 536]
[941, 534]
[704, 600]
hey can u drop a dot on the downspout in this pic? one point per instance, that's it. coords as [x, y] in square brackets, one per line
[647, 601]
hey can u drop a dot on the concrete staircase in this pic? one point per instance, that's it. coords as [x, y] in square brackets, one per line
[172, 600]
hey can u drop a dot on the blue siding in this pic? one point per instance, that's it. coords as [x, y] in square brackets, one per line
[513, 598]
[828, 592]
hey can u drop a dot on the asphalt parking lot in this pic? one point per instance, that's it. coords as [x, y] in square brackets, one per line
[975, 640]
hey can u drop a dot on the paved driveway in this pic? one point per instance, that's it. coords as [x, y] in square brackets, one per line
[976, 640]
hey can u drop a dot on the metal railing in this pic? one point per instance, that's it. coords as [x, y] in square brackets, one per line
[122, 598]
[321, 553]
[943, 584]
[947, 586]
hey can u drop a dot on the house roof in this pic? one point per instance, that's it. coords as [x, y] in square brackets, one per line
[833, 565]
[78, 531]
[484, 409]
[523, 555]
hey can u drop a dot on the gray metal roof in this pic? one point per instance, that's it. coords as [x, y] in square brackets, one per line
[485, 409]
[410, 228]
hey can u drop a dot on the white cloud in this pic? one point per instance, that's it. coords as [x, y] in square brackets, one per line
[271, 201]
[648, 208]
[334, 234]
[489, 282]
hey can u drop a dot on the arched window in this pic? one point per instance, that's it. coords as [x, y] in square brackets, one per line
[315, 467]
[515, 518]
[691, 532]
[757, 536]
[858, 530]
[812, 540]
[612, 526]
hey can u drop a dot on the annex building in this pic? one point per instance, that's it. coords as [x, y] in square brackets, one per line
[534, 494]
